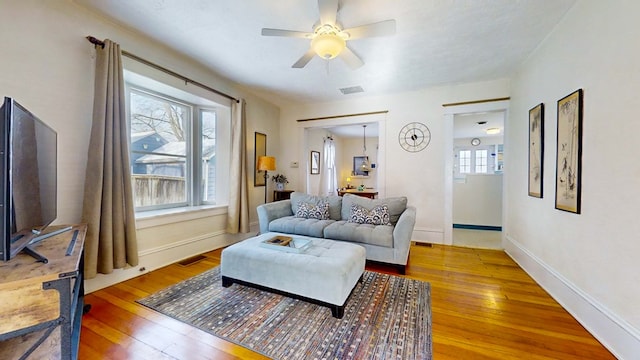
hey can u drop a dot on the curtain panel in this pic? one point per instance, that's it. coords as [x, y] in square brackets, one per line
[108, 206]
[328, 172]
[238, 210]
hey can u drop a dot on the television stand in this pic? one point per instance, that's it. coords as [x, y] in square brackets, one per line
[42, 304]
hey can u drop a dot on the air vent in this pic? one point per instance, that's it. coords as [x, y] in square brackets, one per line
[352, 90]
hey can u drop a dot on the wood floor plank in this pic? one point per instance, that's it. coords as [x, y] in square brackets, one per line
[484, 306]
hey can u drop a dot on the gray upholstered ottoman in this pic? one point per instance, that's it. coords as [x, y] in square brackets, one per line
[324, 274]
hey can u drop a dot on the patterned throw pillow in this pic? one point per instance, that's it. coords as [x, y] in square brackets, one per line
[308, 211]
[379, 215]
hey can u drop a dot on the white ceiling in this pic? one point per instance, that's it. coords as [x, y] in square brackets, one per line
[471, 125]
[437, 42]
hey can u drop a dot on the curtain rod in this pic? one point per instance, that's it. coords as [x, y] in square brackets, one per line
[100, 43]
[476, 101]
[347, 115]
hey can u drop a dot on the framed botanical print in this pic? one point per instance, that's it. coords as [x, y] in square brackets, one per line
[536, 150]
[569, 153]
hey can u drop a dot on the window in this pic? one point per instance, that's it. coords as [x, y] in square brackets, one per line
[173, 151]
[481, 161]
[465, 161]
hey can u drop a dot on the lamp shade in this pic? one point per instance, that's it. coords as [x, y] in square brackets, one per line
[328, 46]
[266, 163]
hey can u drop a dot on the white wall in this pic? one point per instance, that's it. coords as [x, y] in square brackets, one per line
[48, 66]
[419, 176]
[477, 200]
[589, 262]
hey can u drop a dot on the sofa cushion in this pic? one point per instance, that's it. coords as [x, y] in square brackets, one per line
[300, 226]
[396, 205]
[379, 215]
[380, 235]
[308, 211]
[335, 203]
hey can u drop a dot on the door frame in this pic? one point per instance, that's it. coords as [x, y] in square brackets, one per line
[449, 114]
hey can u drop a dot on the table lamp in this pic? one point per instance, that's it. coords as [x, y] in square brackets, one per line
[348, 183]
[266, 163]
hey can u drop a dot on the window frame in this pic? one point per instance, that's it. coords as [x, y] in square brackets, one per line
[483, 159]
[467, 165]
[193, 141]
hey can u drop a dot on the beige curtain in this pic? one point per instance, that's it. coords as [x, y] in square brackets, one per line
[238, 211]
[108, 200]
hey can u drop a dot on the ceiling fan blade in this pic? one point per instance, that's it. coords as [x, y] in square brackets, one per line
[328, 11]
[351, 58]
[304, 60]
[286, 33]
[382, 28]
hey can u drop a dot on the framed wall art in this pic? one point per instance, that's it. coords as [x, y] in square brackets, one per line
[259, 150]
[315, 162]
[357, 164]
[569, 153]
[536, 150]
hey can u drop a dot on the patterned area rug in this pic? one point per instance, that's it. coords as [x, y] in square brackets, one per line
[386, 317]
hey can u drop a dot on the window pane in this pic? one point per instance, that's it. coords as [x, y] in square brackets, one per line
[481, 161]
[208, 151]
[465, 161]
[158, 150]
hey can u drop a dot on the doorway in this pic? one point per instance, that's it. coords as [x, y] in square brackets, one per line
[478, 164]
[349, 135]
[474, 184]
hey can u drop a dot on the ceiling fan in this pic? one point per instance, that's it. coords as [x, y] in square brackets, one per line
[329, 40]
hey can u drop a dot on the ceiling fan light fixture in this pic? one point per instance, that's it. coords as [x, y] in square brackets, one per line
[328, 46]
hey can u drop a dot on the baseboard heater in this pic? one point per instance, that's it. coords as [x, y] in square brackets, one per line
[477, 227]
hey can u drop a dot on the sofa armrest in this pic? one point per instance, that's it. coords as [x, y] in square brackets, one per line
[402, 233]
[271, 211]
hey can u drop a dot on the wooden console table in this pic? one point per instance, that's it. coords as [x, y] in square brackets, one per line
[282, 194]
[368, 193]
[41, 304]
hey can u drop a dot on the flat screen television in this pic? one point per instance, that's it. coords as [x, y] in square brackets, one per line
[28, 161]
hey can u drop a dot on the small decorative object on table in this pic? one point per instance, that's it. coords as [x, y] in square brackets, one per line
[286, 244]
[280, 180]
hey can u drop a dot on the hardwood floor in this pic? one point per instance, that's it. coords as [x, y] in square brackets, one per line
[483, 307]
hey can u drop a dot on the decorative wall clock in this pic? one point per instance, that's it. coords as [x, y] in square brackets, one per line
[414, 137]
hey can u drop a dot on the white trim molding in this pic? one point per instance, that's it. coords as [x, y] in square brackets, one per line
[616, 334]
[155, 258]
[433, 236]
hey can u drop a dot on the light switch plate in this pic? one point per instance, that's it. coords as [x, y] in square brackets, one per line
[294, 164]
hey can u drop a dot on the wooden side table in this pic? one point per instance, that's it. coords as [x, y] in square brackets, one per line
[282, 194]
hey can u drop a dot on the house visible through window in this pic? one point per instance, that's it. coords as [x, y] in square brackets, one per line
[173, 151]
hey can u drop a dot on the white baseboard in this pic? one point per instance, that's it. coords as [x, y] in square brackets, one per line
[433, 236]
[616, 334]
[155, 258]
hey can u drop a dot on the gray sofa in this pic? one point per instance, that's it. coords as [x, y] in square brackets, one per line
[347, 218]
